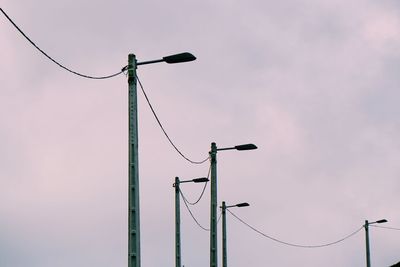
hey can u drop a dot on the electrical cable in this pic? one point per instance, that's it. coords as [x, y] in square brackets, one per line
[202, 193]
[219, 217]
[162, 128]
[385, 227]
[191, 214]
[295, 245]
[56, 62]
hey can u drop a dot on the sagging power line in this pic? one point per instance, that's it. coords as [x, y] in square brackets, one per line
[202, 192]
[55, 61]
[292, 244]
[191, 214]
[163, 129]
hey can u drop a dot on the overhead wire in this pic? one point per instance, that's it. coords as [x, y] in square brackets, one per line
[191, 214]
[219, 217]
[202, 192]
[163, 129]
[385, 227]
[56, 62]
[292, 244]
[103, 77]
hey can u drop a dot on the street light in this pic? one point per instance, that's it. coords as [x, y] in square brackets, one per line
[240, 147]
[213, 217]
[224, 207]
[178, 257]
[133, 191]
[177, 58]
[367, 238]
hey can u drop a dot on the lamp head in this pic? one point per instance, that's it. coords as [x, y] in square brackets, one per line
[179, 58]
[244, 204]
[246, 147]
[200, 180]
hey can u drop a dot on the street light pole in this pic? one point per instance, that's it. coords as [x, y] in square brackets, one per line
[214, 198]
[133, 165]
[133, 191]
[178, 255]
[367, 243]
[367, 239]
[213, 224]
[224, 238]
[224, 252]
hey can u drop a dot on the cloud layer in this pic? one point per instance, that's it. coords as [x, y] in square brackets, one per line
[313, 84]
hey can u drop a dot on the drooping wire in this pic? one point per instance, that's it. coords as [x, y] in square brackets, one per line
[53, 60]
[202, 192]
[191, 214]
[162, 128]
[295, 245]
[219, 217]
[385, 227]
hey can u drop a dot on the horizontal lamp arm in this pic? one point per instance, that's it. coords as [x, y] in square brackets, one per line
[150, 62]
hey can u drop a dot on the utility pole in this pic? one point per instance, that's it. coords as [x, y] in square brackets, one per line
[213, 217]
[224, 252]
[133, 194]
[367, 243]
[214, 199]
[367, 238]
[178, 257]
[178, 246]
[133, 191]
[224, 238]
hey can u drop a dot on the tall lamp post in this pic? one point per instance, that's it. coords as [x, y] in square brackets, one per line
[178, 255]
[133, 191]
[214, 204]
[224, 250]
[367, 239]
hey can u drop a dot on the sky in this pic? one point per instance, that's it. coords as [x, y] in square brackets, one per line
[314, 84]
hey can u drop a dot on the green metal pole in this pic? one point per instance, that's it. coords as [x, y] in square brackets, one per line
[177, 225]
[224, 252]
[213, 217]
[367, 243]
[133, 191]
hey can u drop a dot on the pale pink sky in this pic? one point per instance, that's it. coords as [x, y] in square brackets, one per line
[314, 84]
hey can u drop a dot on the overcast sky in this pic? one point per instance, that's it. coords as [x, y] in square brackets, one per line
[314, 84]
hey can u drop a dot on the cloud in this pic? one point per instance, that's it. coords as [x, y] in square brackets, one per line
[312, 84]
